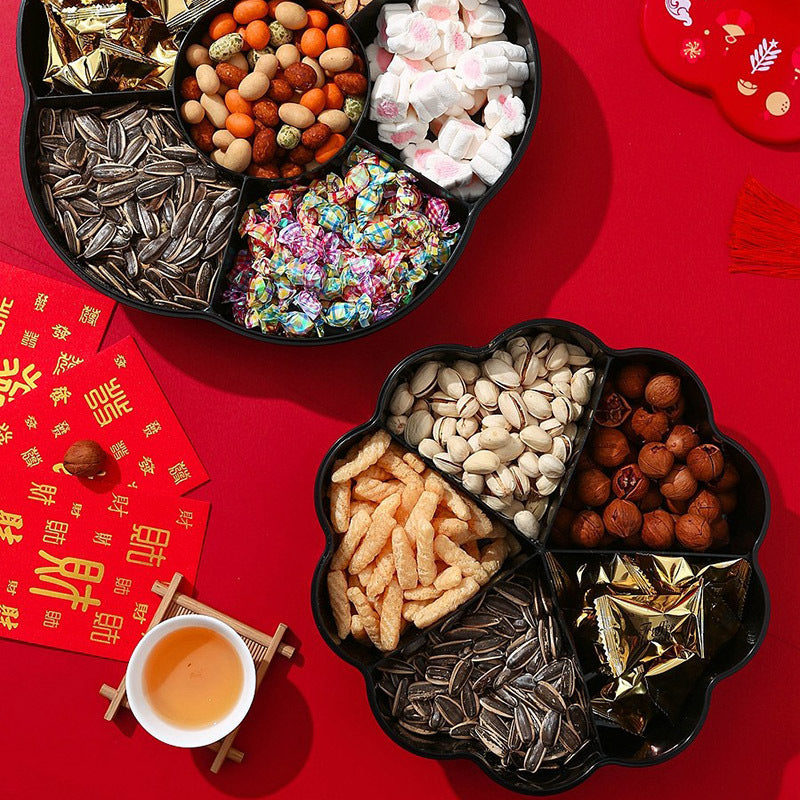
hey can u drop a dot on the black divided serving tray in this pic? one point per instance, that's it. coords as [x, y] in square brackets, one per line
[611, 745]
[32, 36]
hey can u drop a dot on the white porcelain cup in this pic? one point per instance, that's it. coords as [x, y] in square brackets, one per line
[142, 709]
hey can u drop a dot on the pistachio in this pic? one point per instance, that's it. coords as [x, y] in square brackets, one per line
[501, 373]
[550, 466]
[522, 483]
[546, 486]
[577, 356]
[458, 449]
[538, 405]
[557, 357]
[527, 524]
[402, 400]
[474, 442]
[443, 429]
[429, 448]
[424, 380]
[419, 427]
[518, 346]
[473, 483]
[552, 426]
[536, 438]
[562, 410]
[467, 406]
[451, 382]
[419, 405]
[495, 421]
[482, 463]
[466, 427]
[542, 344]
[527, 367]
[468, 370]
[443, 405]
[504, 356]
[562, 389]
[562, 448]
[537, 507]
[445, 463]
[497, 486]
[486, 393]
[396, 424]
[581, 391]
[513, 409]
[529, 464]
[511, 450]
[494, 438]
[495, 503]
[543, 387]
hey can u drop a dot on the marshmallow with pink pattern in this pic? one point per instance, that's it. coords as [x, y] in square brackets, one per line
[492, 158]
[390, 97]
[391, 21]
[417, 39]
[455, 41]
[432, 94]
[439, 10]
[504, 113]
[479, 70]
[488, 19]
[403, 66]
[418, 155]
[461, 138]
[445, 171]
[379, 60]
[409, 131]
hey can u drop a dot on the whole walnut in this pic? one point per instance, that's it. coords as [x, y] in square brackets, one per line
[674, 413]
[727, 502]
[652, 500]
[663, 391]
[587, 529]
[682, 439]
[629, 483]
[651, 427]
[655, 460]
[727, 481]
[622, 518]
[84, 459]
[658, 530]
[593, 487]
[678, 484]
[720, 532]
[706, 462]
[631, 381]
[610, 448]
[693, 532]
[677, 507]
[612, 411]
[706, 505]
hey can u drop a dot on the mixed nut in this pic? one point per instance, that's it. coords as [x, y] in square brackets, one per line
[504, 427]
[646, 478]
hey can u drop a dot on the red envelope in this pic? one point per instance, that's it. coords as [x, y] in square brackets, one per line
[46, 327]
[76, 568]
[113, 399]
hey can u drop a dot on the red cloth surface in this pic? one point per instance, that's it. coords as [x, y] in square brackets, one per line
[617, 219]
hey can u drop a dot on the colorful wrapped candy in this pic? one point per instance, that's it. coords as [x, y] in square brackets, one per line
[345, 252]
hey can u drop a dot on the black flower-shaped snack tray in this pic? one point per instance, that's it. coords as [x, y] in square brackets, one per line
[32, 35]
[609, 745]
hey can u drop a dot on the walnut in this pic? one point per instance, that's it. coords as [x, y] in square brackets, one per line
[84, 459]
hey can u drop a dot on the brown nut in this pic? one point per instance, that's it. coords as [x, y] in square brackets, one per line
[316, 135]
[630, 483]
[693, 532]
[622, 518]
[613, 410]
[652, 500]
[266, 111]
[270, 171]
[676, 507]
[727, 481]
[560, 533]
[681, 440]
[84, 459]
[655, 460]
[706, 505]
[230, 75]
[631, 381]
[727, 502]
[720, 532]
[593, 487]
[658, 530]
[264, 146]
[663, 391]
[651, 427]
[300, 76]
[202, 135]
[674, 413]
[291, 171]
[280, 90]
[706, 462]
[301, 155]
[190, 89]
[351, 83]
[587, 529]
[610, 448]
[679, 484]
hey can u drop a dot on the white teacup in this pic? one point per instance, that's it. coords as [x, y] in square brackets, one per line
[160, 728]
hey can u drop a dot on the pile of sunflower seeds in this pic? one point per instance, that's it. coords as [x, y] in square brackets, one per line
[498, 674]
[138, 207]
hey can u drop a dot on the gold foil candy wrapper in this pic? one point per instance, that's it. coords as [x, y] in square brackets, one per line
[654, 623]
[96, 46]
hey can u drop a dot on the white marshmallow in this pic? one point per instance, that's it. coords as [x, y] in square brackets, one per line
[409, 131]
[418, 38]
[432, 94]
[379, 60]
[418, 155]
[400, 65]
[470, 5]
[445, 171]
[504, 113]
[466, 97]
[516, 55]
[488, 19]
[461, 138]
[455, 41]
[479, 70]
[470, 191]
[492, 158]
[390, 20]
[390, 97]
[437, 124]
[439, 10]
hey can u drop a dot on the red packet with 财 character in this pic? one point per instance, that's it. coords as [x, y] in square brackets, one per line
[76, 567]
[46, 327]
[113, 399]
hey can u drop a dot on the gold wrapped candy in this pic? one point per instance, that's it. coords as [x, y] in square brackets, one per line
[654, 622]
[101, 46]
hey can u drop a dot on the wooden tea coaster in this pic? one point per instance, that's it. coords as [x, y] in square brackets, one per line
[261, 645]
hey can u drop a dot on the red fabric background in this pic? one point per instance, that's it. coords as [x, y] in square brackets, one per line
[617, 219]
